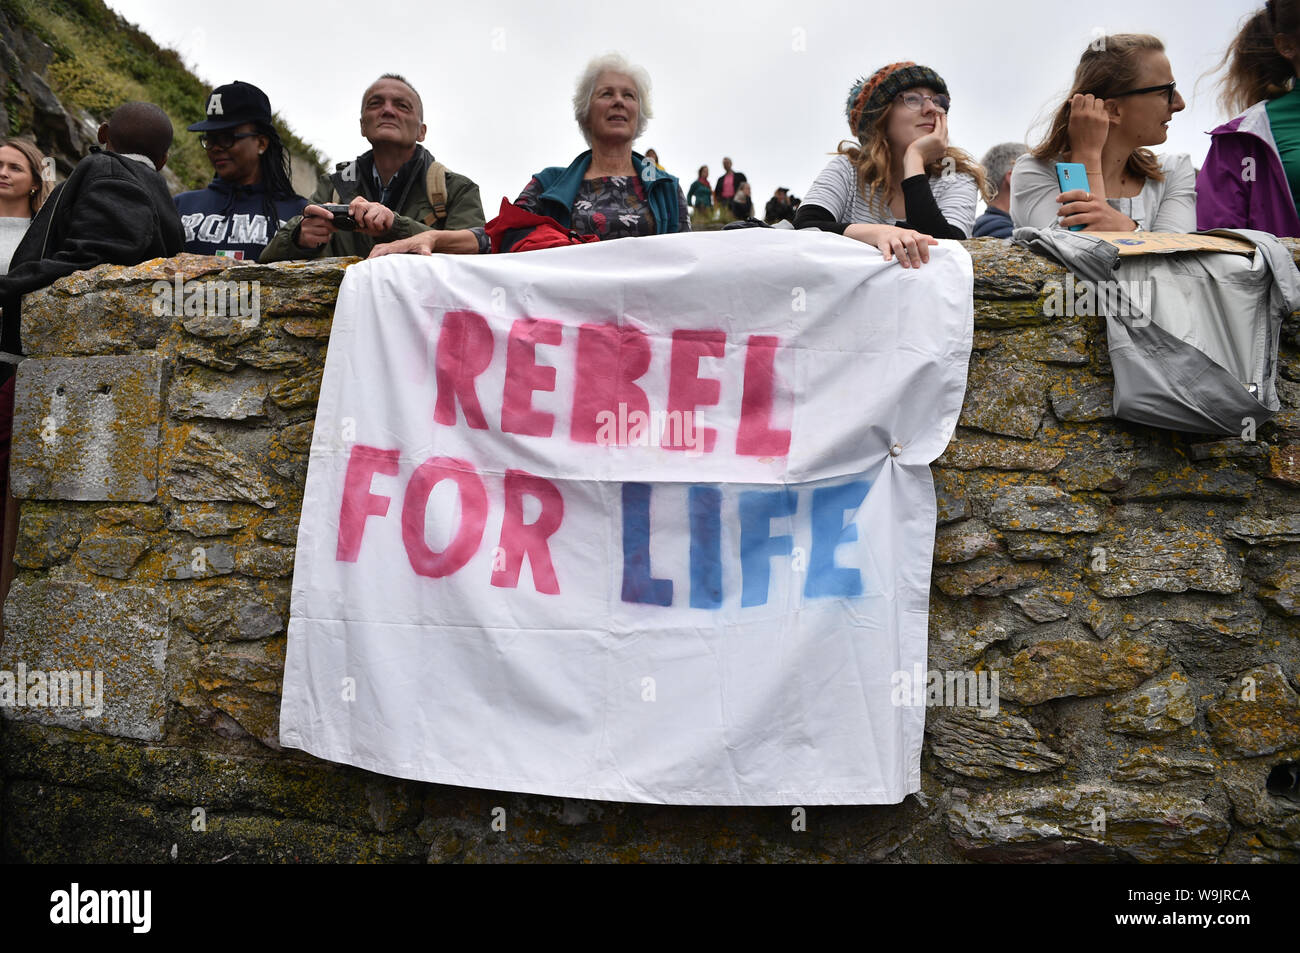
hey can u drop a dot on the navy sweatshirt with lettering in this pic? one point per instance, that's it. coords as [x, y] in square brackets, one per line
[233, 220]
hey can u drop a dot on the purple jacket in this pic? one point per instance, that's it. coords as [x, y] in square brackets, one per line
[1232, 192]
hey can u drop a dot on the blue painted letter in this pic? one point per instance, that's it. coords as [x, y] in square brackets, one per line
[706, 547]
[638, 584]
[757, 544]
[828, 532]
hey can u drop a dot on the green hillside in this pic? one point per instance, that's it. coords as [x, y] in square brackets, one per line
[101, 60]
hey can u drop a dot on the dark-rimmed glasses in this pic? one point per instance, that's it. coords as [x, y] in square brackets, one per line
[1166, 88]
[916, 101]
[224, 140]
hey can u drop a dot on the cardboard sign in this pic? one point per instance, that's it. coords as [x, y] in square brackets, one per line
[1163, 243]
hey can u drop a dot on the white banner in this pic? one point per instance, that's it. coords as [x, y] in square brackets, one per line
[643, 520]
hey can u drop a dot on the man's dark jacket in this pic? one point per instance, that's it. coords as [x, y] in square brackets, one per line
[111, 210]
[994, 223]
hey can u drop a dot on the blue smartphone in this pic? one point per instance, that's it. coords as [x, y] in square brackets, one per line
[1071, 176]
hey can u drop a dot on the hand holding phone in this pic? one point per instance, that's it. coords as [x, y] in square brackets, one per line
[1072, 176]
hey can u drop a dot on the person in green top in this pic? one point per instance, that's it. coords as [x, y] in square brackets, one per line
[1284, 120]
[1284, 111]
[701, 193]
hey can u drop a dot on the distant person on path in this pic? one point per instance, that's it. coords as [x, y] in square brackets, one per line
[701, 193]
[778, 207]
[742, 203]
[654, 157]
[608, 191]
[997, 162]
[251, 193]
[1251, 176]
[728, 183]
[395, 190]
[1121, 102]
[902, 186]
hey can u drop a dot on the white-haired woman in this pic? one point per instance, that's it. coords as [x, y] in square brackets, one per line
[608, 191]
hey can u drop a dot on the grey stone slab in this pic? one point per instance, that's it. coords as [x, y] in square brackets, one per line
[1256, 714]
[1160, 707]
[963, 541]
[1064, 667]
[207, 519]
[950, 496]
[200, 561]
[231, 611]
[87, 428]
[1057, 823]
[204, 470]
[94, 322]
[1041, 605]
[1006, 399]
[967, 742]
[1141, 560]
[1042, 545]
[1044, 509]
[112, 555]
[119, 635]
[202, 393]
[1082, 403]
[1259, 528]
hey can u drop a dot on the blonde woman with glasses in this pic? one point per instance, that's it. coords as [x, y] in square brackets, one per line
[1122, 101]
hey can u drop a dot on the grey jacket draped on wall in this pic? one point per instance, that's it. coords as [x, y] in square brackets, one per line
[1193, 336]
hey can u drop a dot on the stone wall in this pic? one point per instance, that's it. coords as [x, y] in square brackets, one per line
[1136, 591]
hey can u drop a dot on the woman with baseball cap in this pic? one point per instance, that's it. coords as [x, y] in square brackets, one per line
[251, 193]
[902, 185]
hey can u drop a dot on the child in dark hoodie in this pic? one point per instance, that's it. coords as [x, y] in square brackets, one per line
[113, 209]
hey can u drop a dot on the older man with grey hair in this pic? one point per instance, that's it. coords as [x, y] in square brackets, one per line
[997, 162]
[395, 190]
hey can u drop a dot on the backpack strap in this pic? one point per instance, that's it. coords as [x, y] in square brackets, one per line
[435, 184]
[344, 180]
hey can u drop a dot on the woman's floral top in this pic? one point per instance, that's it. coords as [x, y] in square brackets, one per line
[613, 206]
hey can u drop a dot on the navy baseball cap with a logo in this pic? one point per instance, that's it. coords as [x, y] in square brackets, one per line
[232, 105]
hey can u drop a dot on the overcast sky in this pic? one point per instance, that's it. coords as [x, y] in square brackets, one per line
[763, 81]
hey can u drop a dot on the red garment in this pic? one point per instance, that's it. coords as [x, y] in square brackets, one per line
[516, 229]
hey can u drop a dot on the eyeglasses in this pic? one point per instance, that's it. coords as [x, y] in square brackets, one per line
[916, 101]
[1166, 88]
[224, 140]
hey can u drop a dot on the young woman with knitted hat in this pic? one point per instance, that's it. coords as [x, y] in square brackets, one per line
[1122, 101]
[902, 186]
